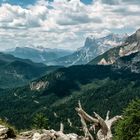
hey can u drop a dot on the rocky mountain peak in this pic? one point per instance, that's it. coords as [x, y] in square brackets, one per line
[138, 35]
[134, 38]
[89, 40]
[108, 40]
[129, 46]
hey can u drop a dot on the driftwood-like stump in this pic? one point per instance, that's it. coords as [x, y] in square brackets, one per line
[104, 130]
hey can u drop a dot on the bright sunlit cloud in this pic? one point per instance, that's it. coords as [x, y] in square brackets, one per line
[63, 23]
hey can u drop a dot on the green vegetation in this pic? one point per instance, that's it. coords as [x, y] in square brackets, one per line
[15, 72]
[40, 121]
[98, 87]
[129, 127]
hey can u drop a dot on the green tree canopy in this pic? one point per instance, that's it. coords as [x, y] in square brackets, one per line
[40, 121]
[129, 127]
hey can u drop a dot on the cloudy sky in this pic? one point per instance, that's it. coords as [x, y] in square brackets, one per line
[64, 23]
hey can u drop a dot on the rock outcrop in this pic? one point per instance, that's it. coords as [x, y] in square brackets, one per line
[38, 85]
[37, 135]
[6, 133]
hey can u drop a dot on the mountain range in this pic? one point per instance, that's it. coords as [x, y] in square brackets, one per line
[38, 54]
[91, 49]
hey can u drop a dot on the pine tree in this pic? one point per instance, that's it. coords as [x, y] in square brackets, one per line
[40, 121]
[129, 127]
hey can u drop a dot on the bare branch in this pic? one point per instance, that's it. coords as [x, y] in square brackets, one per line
[84, 114]
[115, 119]
[61, 127]
[84, 125]
[102, 124]
[69, 121]
[107, 115]
[93, 128]
[85, 128]
[79, 103]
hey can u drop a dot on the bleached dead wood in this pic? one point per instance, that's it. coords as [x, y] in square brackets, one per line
[69, 121]
[61, 127]
[104, 131]
[84, 125]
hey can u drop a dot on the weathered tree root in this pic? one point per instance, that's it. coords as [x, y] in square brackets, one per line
[104, 131]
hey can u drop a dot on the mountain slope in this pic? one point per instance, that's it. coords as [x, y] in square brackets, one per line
[92, 48]
[16, 72]
[130, 62]
[98, 87]
[38, 54]
[131, 45]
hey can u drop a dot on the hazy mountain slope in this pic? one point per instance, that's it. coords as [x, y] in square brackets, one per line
[91, 49]
[39, 54]
[131, 45]
[16, 72]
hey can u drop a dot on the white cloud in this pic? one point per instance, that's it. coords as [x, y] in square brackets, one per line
[64, 23]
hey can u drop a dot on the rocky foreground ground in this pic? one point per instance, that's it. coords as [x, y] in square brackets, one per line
[8, 134]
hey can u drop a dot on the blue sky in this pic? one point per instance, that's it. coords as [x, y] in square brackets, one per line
[66, 24]
[19, 2]
[27, 2]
